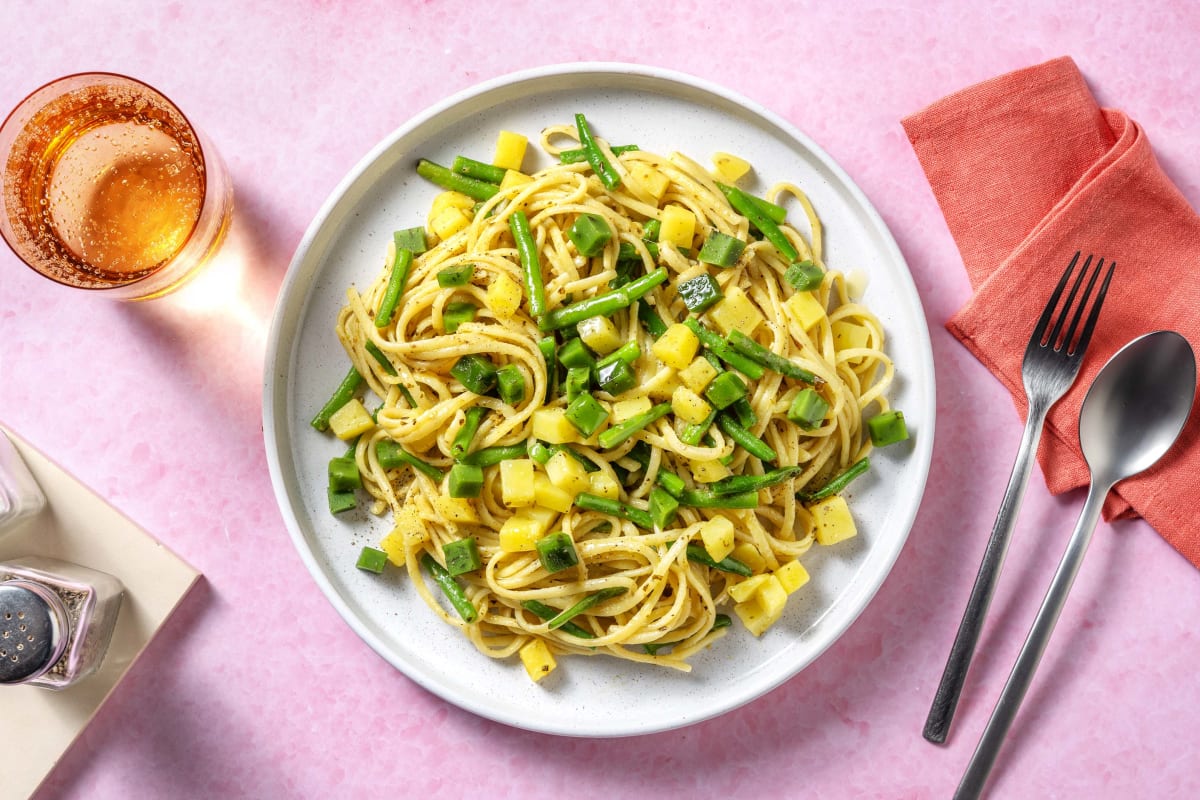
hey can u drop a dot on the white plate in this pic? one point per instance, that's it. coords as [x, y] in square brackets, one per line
[345, 245]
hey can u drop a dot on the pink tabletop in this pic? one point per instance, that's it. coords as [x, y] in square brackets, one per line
[257, 688]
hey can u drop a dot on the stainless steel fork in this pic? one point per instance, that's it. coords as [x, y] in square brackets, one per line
[1051, 364]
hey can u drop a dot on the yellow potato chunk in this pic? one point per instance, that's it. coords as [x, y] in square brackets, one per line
[652, 182]
[709, 471]
[546, 494]
[717, 535]
[599, 334]
[455, 509]
[551, 425]
[743, 590]
[698, 375]
[393, 545]
[604, 485]
[450, 200]
[833, 520]
[849, 335]
[625, 409]
[516, 482]
[729, 168]
[748, 554]
[510, 150]
[678, 226]
[765, 608]
[350, 420]
[537, 659]
[514, 178]
[805, 309]
[567, 474]
[736, 312]
[792, 576]
[663, 384]
[520, 532]
[448, 222]
[689, 406]
[677, 347]
[503, 296]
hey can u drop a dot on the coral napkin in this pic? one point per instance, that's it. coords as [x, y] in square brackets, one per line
[1028, 169]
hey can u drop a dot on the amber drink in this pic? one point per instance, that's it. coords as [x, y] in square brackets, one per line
[108, 187]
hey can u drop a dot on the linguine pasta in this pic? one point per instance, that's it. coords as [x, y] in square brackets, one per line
[667, 598]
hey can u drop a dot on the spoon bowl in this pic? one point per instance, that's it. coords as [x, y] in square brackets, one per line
[1132, 414]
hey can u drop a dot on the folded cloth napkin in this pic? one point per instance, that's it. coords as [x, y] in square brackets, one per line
[1028, 170]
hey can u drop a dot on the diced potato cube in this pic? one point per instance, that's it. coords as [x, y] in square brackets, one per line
[678, 226]
[520, 532]
[748, 554]
[624, 409]
[717, 535]
[662, 385]
[677, 347]
[792, 576]
[546, 494]
[350, 420]
[551, 425]
[393, 546]
[653, 182]
[698, 375]
[455, 509]
[516, 482]
[448, 222]
[849, 335]
[736, 312]
[537, 658]
[709, 471]
[567, 474]
[833, 520]
[599, 334]
[743, 590]
[763, 609]
[514, 178]
[510, 150]
[604, 485]
[729, 168]
[805, 309]
[450, 200]
[503, 296]
[689, 406]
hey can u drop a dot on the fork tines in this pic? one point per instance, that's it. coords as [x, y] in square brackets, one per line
[1055, 339]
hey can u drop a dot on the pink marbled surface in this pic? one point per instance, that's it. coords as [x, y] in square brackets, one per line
[258, 689]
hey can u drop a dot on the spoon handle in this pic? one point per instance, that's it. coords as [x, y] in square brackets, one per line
[1031, 653]
[945, 701]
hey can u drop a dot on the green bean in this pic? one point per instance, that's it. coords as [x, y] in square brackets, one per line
[722, 350]
[650, 320]
[744, 204]
[602, 305]
[531, 266]
[693, 433]
[615, 508]
[753, 483]
[478, 170]
[605, 171]
[836, 484]
[449, 179]
[623, 430]
[391, 455]
[707, 498]
[549, 612]
[395, 287]
[462, 440]
[673, 484]
[491, 456]
[342, 395]
[579, 154]
[776, 213]
[378, 355]
[753, 445]
[583, 605]
[697, 553]
[772, 361]
[454, 593]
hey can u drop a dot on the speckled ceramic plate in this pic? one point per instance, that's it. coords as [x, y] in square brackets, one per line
[345, 244]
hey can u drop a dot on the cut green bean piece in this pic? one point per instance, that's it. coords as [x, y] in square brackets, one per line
[343, 474]
[808, 409]
[744, 204]
[737, 484]
[628, 352]
[725, 389]
[556, 551]
[340, 501]
[578, 155]
[462, 556]
[600, 164]
[623, 430]
[591, 502]
[693, 433]
[448, 179]
[540, 451]
[752, 444]
[454, 593]
[531, 265]
[343, 394]
[722, 350]
[775, 213]
[457, 313]
[575, 354]
[455, 276]
[721, 250]
[699, 293]
[477, 169]
[615, 378]
[510, 384]
[548, 348]
[466, 434]
[837, 484]
[491, 456]
[584, 604]
[706, 498]
[590, 233]
[673, 484]
[392, 456]
[804, 276]
[395, 287]
[772, 361]
[579, 381]
[744, 413]
[697, 553]
[411, 239]
[378, 355]
[887, 428]
[602, 305]
[586, 414]
[650, 320]
[549, 612]
[371, 560]
[477, 373]
[663, 508]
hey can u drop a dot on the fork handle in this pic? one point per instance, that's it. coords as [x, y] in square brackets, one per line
[945, 701]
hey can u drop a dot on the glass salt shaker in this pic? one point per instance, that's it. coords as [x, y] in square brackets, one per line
[56, 620]
[20, 496]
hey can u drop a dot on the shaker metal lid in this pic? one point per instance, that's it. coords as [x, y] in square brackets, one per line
[31, 632]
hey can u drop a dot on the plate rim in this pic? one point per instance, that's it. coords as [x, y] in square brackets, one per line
[278, 353]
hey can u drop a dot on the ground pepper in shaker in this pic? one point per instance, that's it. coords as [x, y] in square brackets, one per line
[56, 620]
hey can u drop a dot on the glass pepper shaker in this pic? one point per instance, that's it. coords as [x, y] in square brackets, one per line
[56, 620]
[20, 496]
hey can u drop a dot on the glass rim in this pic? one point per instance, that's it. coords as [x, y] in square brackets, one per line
[204, 163]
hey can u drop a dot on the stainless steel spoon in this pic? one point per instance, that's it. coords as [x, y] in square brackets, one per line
[1131, 416]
